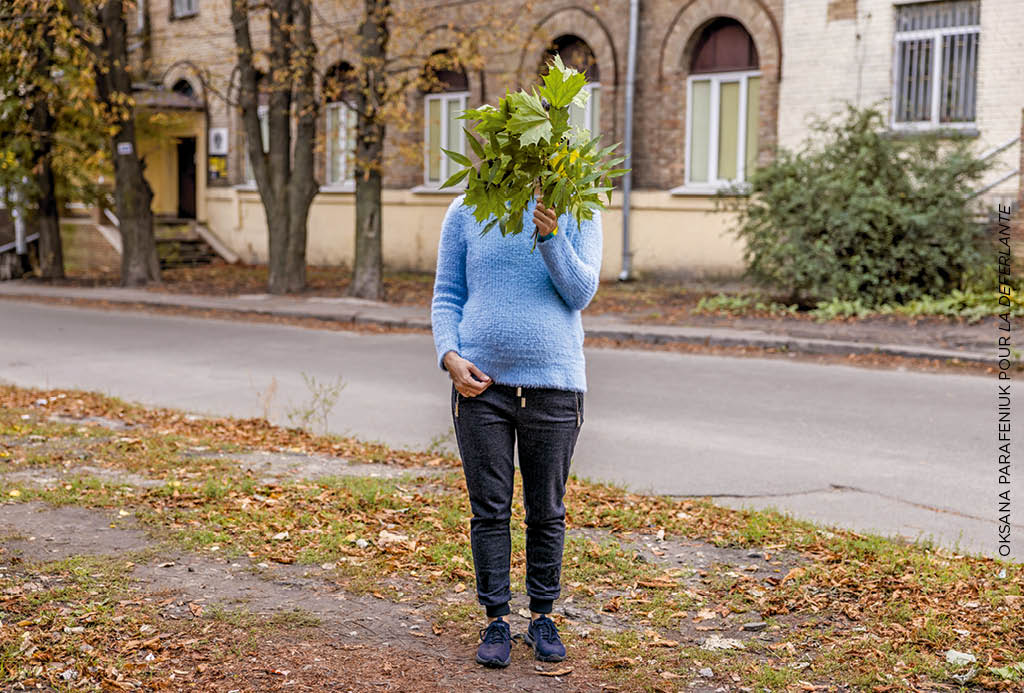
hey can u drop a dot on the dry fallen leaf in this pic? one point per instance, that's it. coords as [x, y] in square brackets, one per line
[615, 662]
[613, 604]
[554, 672]
[793, 574]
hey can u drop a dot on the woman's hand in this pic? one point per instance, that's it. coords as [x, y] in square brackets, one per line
[462, 372]
[545, 219]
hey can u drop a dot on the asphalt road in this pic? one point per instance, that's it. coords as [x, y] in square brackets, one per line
[885, 451]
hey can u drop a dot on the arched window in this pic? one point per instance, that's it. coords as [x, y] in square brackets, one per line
[446, 93]
[183, 86]
[722, 97]
[339, 90]
[575, 53]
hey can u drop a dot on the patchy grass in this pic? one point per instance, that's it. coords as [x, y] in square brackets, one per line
[851, 609]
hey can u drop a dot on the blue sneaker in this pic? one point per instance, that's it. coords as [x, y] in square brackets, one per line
[542, 636]
[496, 648]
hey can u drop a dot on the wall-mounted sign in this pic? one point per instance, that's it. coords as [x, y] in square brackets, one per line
[218, 167]
[218, 141]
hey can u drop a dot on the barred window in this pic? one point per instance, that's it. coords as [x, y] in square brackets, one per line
[936, 64]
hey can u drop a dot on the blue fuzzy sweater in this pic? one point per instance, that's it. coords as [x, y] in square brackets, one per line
[514, 314]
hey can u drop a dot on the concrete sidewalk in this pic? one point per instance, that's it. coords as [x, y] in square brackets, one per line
[359, 311]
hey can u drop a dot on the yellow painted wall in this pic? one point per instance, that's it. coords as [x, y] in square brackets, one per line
[158, 143]
[670, 234]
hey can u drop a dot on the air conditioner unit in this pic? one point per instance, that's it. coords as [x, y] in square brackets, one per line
[218, 141]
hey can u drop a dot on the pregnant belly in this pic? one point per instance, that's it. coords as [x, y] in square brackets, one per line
[508, 335]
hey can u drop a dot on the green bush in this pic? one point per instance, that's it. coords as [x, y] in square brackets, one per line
[862, 215]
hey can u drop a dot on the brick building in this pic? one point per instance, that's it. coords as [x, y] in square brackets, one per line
[719, 84]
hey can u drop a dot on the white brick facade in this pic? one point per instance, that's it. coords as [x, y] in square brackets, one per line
[828, 59]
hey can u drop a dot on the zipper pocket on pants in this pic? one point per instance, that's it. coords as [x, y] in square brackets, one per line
[576, 396]
[456, 404]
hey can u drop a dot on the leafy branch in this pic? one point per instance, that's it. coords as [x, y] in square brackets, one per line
[526, 144]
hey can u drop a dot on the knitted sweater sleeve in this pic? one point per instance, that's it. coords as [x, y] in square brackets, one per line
[450, 289]
[574, 264]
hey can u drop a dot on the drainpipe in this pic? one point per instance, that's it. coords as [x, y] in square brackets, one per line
[627, 178]
[19, 223]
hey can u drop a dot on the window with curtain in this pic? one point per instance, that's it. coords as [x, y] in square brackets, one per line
[589, 116]
[446, 95]
[577, 54]
[936, 64]
[722, 106]
[340, 119]
[184, 8]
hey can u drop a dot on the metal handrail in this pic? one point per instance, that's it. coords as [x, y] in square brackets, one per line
[988, 187]
[7, 247]
[995, 150]
[988, 155]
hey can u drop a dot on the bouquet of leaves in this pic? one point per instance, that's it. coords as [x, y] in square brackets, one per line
[526, 144]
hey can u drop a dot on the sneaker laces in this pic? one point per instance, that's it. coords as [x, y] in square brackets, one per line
[545, 628]
[494, 632]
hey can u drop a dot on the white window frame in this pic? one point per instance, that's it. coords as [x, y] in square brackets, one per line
[184, 8]
[250, 175]
[344, 112]
[936, 35]
[715, 183]
[462, 97]
[588, 109]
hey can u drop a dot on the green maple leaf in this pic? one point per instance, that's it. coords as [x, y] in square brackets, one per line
[529, 119]
[561, 84]
[524, 142]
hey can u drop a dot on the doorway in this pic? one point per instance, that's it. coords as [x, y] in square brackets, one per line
[187, 178]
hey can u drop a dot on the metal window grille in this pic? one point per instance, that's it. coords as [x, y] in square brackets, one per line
[184, 8]
[936, 62]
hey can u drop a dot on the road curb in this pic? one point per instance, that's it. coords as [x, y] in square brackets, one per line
[338, 312]
[794, 344]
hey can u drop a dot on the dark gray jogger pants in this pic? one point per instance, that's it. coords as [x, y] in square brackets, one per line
[546, 423]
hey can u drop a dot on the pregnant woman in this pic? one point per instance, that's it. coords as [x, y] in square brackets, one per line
[507, 328]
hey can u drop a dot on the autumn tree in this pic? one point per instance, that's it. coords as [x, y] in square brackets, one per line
[282, 70]
[285, 172]
[49, 126]
[393, 60]
[102, 30]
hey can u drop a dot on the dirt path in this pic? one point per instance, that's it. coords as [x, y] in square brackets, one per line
[359, 642]
[178, 553]
[338, 640]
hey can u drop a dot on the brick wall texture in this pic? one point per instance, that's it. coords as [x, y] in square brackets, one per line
[813, 54]
[201, 50]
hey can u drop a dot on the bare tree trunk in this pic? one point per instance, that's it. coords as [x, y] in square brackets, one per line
[46, 217]
[133, 198]
[47, 222]
[369, 261]
[302, 185]
[367, 279]
[284, 178]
